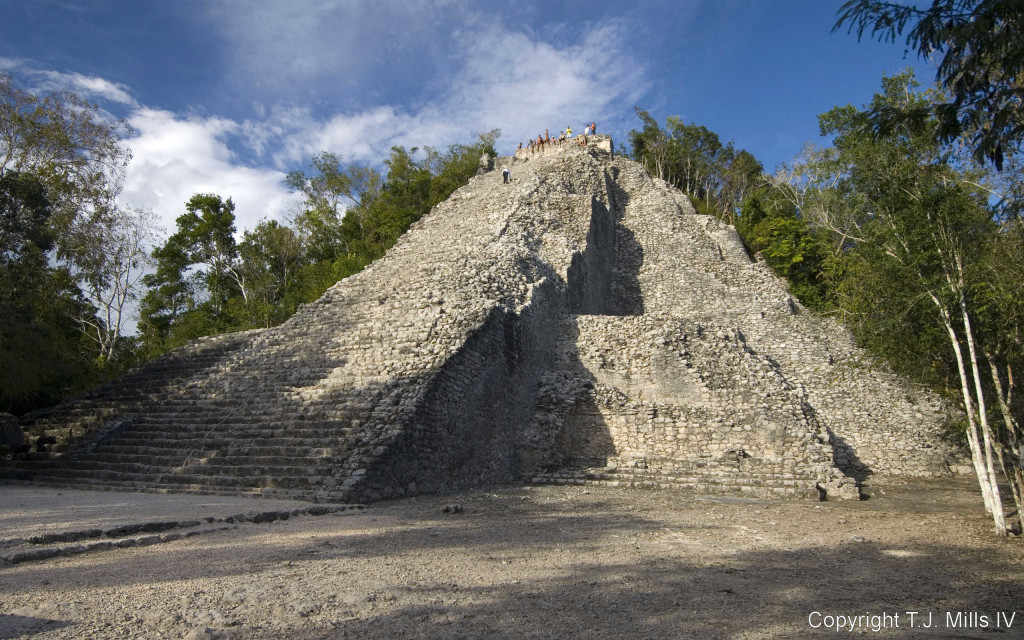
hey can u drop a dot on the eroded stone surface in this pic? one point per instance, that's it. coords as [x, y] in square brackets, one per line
[581, 324]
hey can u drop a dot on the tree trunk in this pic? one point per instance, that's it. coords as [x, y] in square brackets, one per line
[1013, 473]
[972, 431]
[998, 516]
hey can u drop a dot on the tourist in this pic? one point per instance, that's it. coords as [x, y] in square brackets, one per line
[568, 132]
[506, 174]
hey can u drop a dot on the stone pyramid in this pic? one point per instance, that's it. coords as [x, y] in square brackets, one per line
[581, 324]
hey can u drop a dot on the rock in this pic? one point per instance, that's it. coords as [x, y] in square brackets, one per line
[12, 438]
[203, 633]
[840, 489]
[486, 164]
[42, 442]
[451, 508]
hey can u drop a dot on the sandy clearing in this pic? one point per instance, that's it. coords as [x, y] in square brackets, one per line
[549, 562]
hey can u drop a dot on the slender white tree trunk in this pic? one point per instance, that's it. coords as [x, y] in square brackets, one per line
[998, 516]
[1013, 472]
[972, 430]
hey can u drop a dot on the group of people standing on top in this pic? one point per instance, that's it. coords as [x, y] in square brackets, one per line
[541, 141]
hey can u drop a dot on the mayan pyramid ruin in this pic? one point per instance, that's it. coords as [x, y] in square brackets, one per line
[579, 325]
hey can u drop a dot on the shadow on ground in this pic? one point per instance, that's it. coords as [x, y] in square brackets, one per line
[561, 564]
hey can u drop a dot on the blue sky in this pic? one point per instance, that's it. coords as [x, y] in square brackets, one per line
[227, 96]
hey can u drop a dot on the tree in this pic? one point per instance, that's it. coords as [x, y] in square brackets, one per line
[811, 183]
[335, 196]
[206, 233]
[653, 148]
[717, 177]
[112, 259]
[742, 176]
[982, 68]
[270, 258]
[197, 274]
[998, 292]
[205, 282]
[75, 153]
[352, 214]
[71, 146]
[773, 227]
[922, 229]
[41, 358]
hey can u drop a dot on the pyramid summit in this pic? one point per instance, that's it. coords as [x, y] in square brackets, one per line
[579, 324]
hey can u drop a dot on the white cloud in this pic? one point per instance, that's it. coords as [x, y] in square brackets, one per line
[91, 87]
[519, 84]
[94, 87]
[363, 137]
[175, 158]
[530, 85]
[472, 74]
[11, 63]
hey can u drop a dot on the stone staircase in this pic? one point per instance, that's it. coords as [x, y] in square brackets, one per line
[165, 376]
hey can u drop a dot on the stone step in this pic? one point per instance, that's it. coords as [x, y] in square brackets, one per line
[235, 436]
[265, 429]
[170, 429]
[232, 468]
[211, 459]
[225, 448]
[196, 418]
[169, 477]
[245, 481]
[227, 453]
[320, 495]
[759, 484]
[721, 476]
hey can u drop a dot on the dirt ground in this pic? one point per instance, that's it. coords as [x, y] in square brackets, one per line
[552, 562]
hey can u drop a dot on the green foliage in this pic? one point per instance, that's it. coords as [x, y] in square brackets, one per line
[881, 302]
[692, 158]
[70, 146]
[70, 256]
[353, 215]
[729, 184]
[270, 259]
[206, 283]
[25, 235]
[196, 277]
[921, 236]
[888, 228]
[981, 67]
[42, 355]
[771, 226]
